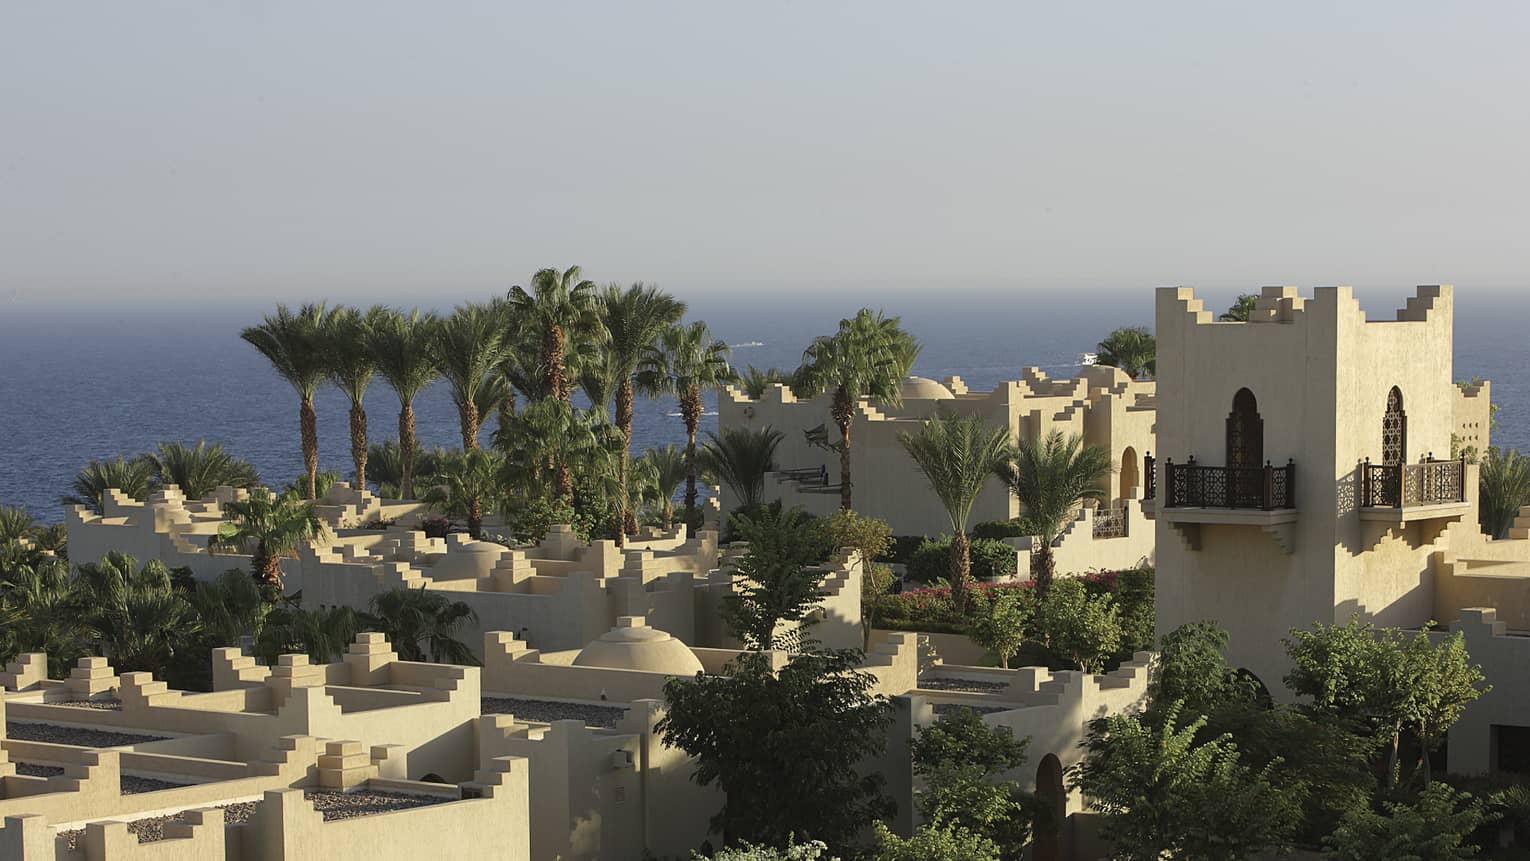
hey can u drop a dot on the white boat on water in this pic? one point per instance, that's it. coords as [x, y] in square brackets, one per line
[1087, 359]
[749, 344]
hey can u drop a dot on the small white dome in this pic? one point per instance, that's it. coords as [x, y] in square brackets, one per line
[631, 645]
[925, 389]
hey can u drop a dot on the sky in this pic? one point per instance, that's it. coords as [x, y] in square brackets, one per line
[157, 153]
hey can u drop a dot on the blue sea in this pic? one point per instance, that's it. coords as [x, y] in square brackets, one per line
[94, 382]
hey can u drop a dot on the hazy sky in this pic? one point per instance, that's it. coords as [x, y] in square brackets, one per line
[355, 149]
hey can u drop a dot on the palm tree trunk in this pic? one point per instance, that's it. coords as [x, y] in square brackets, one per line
[268, 567]
[475, 518]
[552, 357]
[564, 480]
[1041, 568]
[406, 442]
[467, 411]
[309, 421]
[843, 409]
[359, 443]
[961, 569]
[690, 411]
[628, 524]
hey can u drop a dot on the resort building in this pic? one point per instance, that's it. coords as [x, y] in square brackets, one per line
[1101, 405]
[557, 723]
[1313, 465]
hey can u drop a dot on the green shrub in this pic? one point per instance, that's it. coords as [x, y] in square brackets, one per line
[1134, 600]
[998, 529]
[991, 560]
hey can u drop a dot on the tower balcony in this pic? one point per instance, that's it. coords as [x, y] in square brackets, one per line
[1191, 495]
[1415, 501]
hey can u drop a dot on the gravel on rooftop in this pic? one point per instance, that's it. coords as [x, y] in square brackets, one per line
[965, 685]
[547, 711]
[54, 734]
[332, 804]
[133, 785]
[32, 769]
[110, 705]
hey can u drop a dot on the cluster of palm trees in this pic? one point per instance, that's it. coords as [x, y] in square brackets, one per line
[154, 619]
[196, 469]
[1051, 477]
[519, 359]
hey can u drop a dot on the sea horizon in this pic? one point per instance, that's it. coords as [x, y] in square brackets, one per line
[96, 381]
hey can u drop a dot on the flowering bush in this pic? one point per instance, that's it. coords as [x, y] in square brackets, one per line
[930, 608]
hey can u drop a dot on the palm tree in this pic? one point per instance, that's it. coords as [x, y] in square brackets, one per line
[1241, 310]
[741, 458]
[552, 432]
[466, 348]
[268, 527]
[47, 610]
[15, 524]
[423, 626]
[1052, 479]
[401, 346]
[321, 634]
[294, 345]
[385, 467]
[352, 364]
[868, 357]
[468, 487]
[559, 305]
[756, 381]
[229, 608]
[132, 477]
[199, 470]
[1503, 488]
[136, 614]
[957, 455]
[1132, 349]
[634, 320]
[686, 362]
[664, 470]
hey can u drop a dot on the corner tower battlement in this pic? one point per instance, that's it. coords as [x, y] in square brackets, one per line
[1431, 303]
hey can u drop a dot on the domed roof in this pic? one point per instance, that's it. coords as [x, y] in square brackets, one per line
[466, 559]
[631, 645]
[924, 388]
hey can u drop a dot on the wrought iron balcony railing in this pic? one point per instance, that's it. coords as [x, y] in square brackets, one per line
[1402, 485]
[1194, 485]
[1110, 523]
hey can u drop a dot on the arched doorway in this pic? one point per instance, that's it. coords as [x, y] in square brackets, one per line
[1245, 431]
[1245, 451]
[1047, 844]
[1394, 430]
[1129, 473]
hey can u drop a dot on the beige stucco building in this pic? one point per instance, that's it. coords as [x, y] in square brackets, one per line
[1101, 405]
[1307, 470]
[553, 737]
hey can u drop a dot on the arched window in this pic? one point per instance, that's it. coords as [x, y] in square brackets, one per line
[1394, 430]
[1245, 431]
[1129, 473]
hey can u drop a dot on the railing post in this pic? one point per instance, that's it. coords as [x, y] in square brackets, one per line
[1461, 480]
[1147, 467]
[1290, 482]
[1168, 482]
[1402, 485]
[1365, 484]
[1269, 486]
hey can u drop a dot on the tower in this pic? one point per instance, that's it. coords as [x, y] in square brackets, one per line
[1303, 469]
